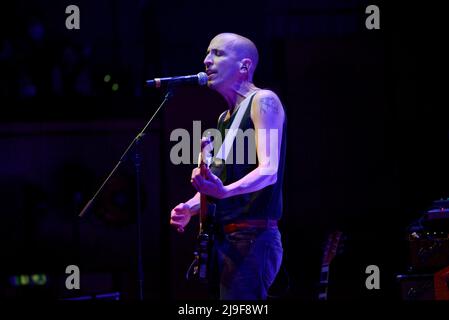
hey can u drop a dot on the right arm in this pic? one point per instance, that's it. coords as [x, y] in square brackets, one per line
[194, 204]
[181, 214]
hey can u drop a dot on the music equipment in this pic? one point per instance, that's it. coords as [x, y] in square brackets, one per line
[428, 250]
[425, 286]
[437, 217]
[441, 283]
[429, 256]
[416, 286]
[429, 239]
[332, 248]
[206, 220]
[198, 79]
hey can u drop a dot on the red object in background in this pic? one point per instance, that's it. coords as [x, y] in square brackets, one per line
[441, 283]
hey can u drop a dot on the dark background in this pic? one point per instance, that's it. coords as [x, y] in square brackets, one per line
[367, 137]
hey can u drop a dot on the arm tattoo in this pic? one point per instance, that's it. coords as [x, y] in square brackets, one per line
[268, 105]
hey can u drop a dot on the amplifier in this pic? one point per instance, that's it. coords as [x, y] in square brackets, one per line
[429, 251]
[416, 286]
[425, 286]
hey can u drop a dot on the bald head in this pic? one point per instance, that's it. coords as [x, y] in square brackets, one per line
[243, 48]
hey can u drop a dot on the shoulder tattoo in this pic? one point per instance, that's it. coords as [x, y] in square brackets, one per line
[268, 105]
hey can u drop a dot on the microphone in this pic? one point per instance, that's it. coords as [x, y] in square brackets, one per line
[200, 79]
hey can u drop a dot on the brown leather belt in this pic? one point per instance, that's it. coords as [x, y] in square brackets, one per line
[249, 224]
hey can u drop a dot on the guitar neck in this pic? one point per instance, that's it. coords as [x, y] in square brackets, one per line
[203, 200]
[324, 282]
[330, 252]
[324, 275]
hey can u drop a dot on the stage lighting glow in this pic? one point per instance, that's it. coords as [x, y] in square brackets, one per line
[25, 280]
[107, 78]
[115, 87]
[39, 279]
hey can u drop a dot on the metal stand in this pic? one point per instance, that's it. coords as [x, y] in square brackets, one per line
[134, 145]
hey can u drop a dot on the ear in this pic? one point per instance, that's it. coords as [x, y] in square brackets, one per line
[245, 65]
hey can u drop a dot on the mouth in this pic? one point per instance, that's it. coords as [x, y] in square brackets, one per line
[209, 72]
[211, 76]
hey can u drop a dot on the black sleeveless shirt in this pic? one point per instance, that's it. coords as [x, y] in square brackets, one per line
[265, 203]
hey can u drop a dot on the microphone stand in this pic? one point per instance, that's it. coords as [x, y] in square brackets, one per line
[137, 165]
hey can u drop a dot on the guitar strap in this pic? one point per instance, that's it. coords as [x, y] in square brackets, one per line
[226, 146]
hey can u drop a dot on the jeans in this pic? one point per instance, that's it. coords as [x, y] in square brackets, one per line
[248, 262]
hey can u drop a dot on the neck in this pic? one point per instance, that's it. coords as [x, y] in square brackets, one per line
[238, 93]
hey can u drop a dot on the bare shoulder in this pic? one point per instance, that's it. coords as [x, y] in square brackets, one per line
[266, 102]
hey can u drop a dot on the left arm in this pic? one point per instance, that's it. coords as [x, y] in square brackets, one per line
[268, 115]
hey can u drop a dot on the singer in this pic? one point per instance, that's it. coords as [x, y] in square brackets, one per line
[247, 249]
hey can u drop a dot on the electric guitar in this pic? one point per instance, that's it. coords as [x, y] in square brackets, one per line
[206, 217]
[333, 246]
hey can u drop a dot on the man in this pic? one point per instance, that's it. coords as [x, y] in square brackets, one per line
[248, 196]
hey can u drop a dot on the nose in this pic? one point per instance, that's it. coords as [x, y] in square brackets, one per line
[208, 61]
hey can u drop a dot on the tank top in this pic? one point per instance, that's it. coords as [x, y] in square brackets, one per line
[265, 203]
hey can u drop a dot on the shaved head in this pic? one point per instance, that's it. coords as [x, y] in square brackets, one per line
[243, 48]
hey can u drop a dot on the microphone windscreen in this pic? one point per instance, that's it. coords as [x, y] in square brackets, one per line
[202, 78]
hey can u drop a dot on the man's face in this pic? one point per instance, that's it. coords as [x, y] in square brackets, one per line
[222, 64]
